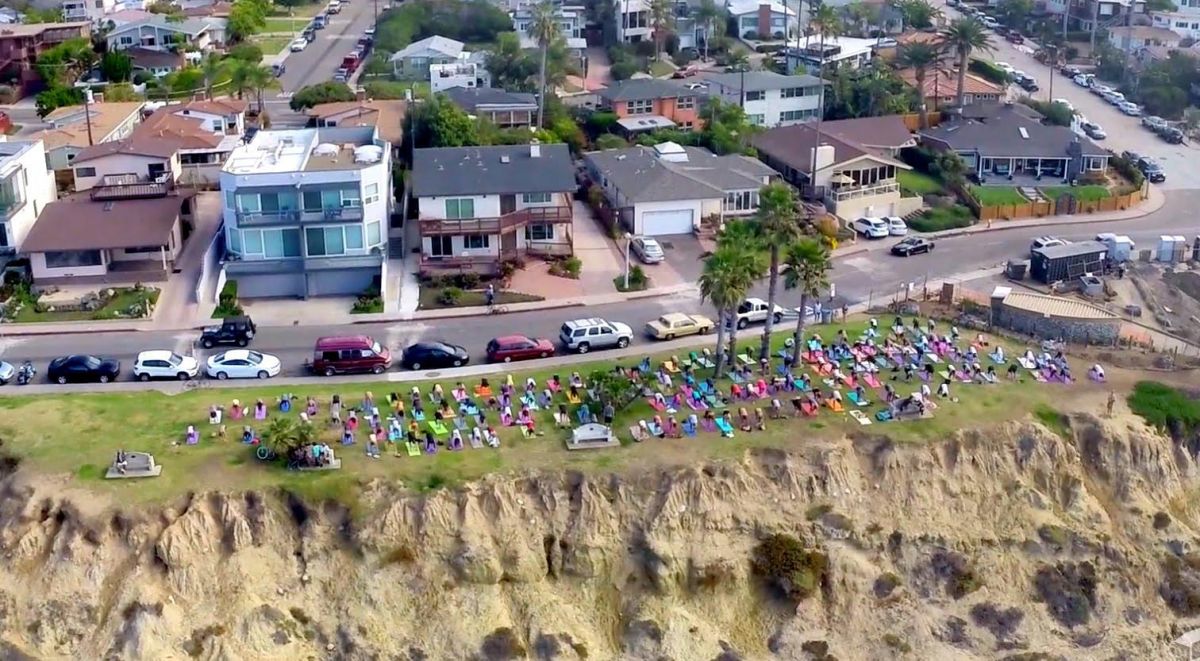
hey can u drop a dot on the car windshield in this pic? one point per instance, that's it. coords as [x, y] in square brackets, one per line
[254, 357]
[91, 362]
[376, 349]
[664, 321]
[174, 360]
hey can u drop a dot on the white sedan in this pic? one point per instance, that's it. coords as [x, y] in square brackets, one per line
[896, 225]
[165, 365]
[298, 45]
[243, 364]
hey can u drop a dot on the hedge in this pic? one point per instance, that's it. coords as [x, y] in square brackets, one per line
[988, 71]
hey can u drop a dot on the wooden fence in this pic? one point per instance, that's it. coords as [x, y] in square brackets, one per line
[1060, 207]
[912, 120]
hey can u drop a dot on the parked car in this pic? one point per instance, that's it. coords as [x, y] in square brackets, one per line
[913, 245]
[233, 330]
[1005, 67]
[298, 45]
[1153, 171]
[1045, 242]
[1015, 38]
[320, 21]
[1065, 102]
[755, 311]
[518, 347]
[349, 353]
[1100, 90]
[676, 324]
[243, 364]
[896, 225]
[370, 32]
[1070, 71]
[583, 335]
[278, 69]
[1093, 131]
[7, 372]
[309, 34]
[647, 249]
[872, 228]
[424, 355]
[79, 368]
[1113, 97]
[1171, 135]
[1130, 108]
[1028, 84]
[1131, 156]
[1083, 80]
[886, 42]
[165, 365]
[334, 7]
[341, 75]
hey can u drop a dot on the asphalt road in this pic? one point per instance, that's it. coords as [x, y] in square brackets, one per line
[871, 275]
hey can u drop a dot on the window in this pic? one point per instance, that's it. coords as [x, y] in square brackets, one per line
[797, 115]
[372, 195]
[374, 234]
[441, 246]
[685, 103]
[793, 92]
[354, 237]
[351, 198]
[248, 203]
[755, 96]
[230, 200]
[535, 198]
[757, 120]
[141, 250]
[235, 241]
[640, 107]
[253, 241]
[460, 208]
[281, 243]
[85, 172]
[66, 259]
[741, 200]
[335, 241]
[539, 232]
[687, 126]
[475, 241]
[315, 238]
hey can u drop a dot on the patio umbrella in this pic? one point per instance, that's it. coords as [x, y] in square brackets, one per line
[841, 178]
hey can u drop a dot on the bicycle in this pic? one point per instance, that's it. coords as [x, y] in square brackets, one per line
[497, 309]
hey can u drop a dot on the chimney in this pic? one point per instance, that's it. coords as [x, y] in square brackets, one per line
[535, 148]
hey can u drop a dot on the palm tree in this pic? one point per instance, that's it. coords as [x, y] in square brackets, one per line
[779, 226]
[805, 267]
[239, 77]
[259, 79]
[965, 36]
[919, 56]
[728, 275]
[544, 28]
[712, 18]
[211, 66]
[662, 16]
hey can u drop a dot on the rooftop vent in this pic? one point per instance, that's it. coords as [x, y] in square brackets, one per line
[505, 159]
[326, 149]
[368, 154]
[1024, 133]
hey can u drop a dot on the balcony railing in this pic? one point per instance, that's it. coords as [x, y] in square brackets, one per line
[133, 191]
[497, 225]
[856, 192]
[303, 216]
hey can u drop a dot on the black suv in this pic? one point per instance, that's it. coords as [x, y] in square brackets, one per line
[1153, 171]
[233, 330]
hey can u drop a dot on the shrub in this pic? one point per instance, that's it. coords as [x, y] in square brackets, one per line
[1069, 591]
[1128, 169]
[637, 276]
[227, 301]
[572, 266]
[988, 71]
[623, 70]
[1165, 408]
[785, 565]
[8, 95]
[956, 571]
[1180, 586]
[1162, 520]
[750, 35]
[465, 280]
[942, 218]
[450, 296]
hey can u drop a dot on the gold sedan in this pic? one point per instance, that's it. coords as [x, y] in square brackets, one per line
[677, 324]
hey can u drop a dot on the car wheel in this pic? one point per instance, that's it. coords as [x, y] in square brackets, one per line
[543, 355]
[61, 380]
[622, 342]
[242, 342]
[183, 376]
[583, 347]
[416, 367]
[104, 378]
[143, 377]
[249, 334]
[207, 344]
[930, 248]
[262, 374]
[457, 363]
[221, 376]
[742, 323]
[669, 336]
[329, 371]
[704, 331]
[508, 359]
[776, 318]
[378, 369]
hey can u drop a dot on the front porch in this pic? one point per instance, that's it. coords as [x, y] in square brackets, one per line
[481, 245]
[1015, 171]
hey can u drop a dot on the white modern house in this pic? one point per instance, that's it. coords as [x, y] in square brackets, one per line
[832, 52]
[633, 21]
[158, 33]
[770, 99]
[88, 10]
[26, 187]
[1183, 21]
[763, 20]
[413, 61]
[306, 212]
[468, 71]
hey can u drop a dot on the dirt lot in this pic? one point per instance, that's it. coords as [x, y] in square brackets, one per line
[1170, 299]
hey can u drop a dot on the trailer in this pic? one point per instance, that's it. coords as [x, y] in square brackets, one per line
[1068, 262]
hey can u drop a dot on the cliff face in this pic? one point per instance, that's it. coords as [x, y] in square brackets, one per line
[977, 546]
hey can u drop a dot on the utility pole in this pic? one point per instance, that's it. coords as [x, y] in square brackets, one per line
[1095, 21]
[87, 113]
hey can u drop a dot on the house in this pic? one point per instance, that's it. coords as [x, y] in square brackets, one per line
[21, 45]
[1132, 39]
[1184, 20]
[71, 131]
[770, 99]
[204, 133]
[852, 171]
[482, 206]
[647, 104]
[763, 20]
[1005, 141]
[159, 33]
[413, 61]
[812, 54]
[306, 212]
[941, 88]
[470, 70]
[92, 11]
[126, 224]
[504, 109]
[156, 62]
[1102, 14]
[26, 187]
[668, 189]
[386, 115]
[572, 19]
[125, 17]
[633, 21]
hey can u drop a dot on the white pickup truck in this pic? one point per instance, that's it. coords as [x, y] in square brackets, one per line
[754, 311]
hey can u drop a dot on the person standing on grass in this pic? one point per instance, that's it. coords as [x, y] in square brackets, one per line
[490, 295]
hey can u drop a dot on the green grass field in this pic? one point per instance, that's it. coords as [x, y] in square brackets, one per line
[272, 45]
[285, 25]
[77, 435]
[994, 195]
[1091, 193]
[915, 184]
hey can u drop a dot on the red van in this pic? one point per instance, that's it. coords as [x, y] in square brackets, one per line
[350, 353]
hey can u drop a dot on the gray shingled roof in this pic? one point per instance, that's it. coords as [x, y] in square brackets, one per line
[470, 98]
[999, 135]
[759, 81]
[646, 88]
[445, 171]
[641, 176]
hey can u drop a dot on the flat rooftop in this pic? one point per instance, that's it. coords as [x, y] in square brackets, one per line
[307, 150]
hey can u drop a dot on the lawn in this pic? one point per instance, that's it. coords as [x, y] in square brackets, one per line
[937, 219]
[995, 195]
[285, 25]
[470, 298]
[300, 11]
[659, 68]
[272, 45]
[394, 89]
[77, 435]
[917, 184]
[1090, 193]
[120, 302]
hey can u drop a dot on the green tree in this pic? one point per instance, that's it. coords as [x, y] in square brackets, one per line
[57, 97]
[662, 19]
[120, 92]
[212, 67]
[508, 64]
[919, 56]
[247, 18]
[246, 52]
[712, 17]
[610, 141]
[65, 63]
[1015, 13]
[117, 67]
[312, 95]
[805, 267]
[780, 226]
[185, 81]
[260, 79]
[440, 123]
[729, 274]
[918, 14]
[285, 435]
[963, 37]
[38, 15]
[545, 30]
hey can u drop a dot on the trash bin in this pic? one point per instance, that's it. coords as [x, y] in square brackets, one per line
[826, 316]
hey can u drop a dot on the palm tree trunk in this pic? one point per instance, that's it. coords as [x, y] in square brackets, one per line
[798, 338]
[542, 88]
[720, 367]
[733, 329]
[963, 61]
[707, 36]
[772, 292]
[922, 108]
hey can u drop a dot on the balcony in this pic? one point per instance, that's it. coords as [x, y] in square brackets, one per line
[498, 225]
[853, 193]
[300, 217]
[130, 187]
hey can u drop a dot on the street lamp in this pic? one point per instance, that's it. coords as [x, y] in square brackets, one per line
[628, 242]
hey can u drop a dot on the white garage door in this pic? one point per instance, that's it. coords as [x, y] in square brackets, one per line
[674, 221]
